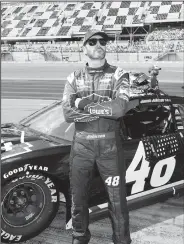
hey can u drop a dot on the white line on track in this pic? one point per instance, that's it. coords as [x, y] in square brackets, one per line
[177, 71]
[35, 92]
[61, 80]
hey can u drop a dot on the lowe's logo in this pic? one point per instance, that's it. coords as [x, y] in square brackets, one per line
[100, 110]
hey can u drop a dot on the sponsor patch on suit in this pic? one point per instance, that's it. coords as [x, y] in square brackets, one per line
[98, 109]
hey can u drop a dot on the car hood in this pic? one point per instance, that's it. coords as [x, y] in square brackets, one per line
[18, 140]
[12, 133]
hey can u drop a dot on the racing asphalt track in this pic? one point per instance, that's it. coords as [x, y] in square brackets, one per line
[161, 223]
[46, 80]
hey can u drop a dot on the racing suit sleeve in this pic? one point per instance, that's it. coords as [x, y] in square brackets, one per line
[120, 103]
[71, 113]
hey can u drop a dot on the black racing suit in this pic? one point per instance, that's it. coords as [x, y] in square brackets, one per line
[97, 141]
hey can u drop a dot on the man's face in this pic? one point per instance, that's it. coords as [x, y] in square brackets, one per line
[94, 49]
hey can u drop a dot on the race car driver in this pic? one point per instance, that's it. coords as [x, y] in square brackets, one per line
[95, 97]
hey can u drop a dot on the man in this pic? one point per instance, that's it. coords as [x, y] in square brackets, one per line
[154, 71]
[95, 97]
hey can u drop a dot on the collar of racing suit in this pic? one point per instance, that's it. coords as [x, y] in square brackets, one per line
[101, 69]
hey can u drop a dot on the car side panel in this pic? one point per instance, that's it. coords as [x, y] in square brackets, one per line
[145, 175]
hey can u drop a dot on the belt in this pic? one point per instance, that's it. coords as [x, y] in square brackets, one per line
[94, 136]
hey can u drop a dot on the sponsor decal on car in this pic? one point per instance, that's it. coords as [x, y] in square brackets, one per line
[180, 127]
[10, 237]
[157, 178]
[138, 174]
[25, 168]
[178, 118]
[155, 100]
[14, 150]
[7, 146]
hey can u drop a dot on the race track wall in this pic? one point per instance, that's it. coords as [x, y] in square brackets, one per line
[76, 57]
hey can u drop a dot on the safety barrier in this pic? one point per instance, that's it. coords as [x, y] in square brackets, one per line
[76, 56]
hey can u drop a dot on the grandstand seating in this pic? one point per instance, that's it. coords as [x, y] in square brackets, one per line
[180, 46]
[112, 47]
[38, 19]
[167, 34]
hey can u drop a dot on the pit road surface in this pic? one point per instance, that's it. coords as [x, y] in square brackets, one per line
[161, 223]
[46, 80]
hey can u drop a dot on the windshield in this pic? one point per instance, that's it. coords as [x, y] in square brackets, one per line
[52, 123]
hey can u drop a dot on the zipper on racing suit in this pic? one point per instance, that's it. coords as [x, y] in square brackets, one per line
[96, 142]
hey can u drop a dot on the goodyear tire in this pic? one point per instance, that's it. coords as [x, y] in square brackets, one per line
[29, 204]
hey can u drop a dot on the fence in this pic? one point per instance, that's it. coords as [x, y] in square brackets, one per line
[71, 51]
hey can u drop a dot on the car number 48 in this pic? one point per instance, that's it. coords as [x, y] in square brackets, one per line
[139, 176]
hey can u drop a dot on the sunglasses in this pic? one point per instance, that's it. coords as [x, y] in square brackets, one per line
[93, 42]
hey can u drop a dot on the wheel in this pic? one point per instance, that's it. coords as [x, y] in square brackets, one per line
[29, 204]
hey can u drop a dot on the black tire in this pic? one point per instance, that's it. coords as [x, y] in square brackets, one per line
[29, 204]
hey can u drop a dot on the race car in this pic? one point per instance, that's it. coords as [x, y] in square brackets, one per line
[35, 164]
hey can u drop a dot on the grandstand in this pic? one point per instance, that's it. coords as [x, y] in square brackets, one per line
[60, 26]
